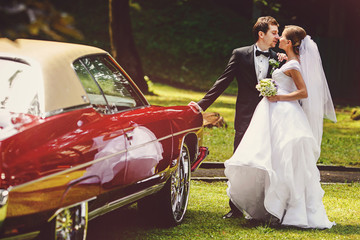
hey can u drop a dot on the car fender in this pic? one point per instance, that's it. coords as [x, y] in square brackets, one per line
[80, 189]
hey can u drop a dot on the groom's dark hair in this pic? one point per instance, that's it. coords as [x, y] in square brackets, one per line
[263, 24]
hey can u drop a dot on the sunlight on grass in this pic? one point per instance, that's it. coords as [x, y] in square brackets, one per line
[340, 145]
[208, 203]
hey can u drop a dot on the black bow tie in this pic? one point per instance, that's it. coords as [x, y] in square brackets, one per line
[258, 52]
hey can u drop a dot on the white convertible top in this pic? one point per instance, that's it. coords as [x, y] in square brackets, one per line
[52, 61]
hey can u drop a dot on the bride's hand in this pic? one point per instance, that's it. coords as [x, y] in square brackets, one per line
[282, 57]
[273, 98]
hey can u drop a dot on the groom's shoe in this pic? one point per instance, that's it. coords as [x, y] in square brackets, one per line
[274, 221]
[233, 214]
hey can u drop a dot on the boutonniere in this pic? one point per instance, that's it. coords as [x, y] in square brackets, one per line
[274, 65]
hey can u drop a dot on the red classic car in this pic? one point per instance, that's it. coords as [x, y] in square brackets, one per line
[78, 139]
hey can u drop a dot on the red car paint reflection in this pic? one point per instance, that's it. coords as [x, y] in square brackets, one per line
[96, 146]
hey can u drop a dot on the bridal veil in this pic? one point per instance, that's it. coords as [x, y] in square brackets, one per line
[318, 104]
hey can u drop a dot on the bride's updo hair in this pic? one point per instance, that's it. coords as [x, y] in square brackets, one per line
[295, 34]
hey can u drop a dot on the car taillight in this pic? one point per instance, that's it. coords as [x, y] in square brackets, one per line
[3, 182]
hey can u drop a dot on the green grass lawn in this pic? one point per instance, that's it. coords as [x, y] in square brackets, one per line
[209, 202]
[340, 145]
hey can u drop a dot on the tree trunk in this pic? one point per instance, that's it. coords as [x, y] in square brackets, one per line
[122, 42]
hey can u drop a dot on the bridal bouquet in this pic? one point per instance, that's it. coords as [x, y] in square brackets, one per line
[267, 87]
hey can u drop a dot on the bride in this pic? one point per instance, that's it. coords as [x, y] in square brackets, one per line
[273, 171]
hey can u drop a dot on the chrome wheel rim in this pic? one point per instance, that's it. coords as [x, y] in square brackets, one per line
[180, 186]
[71, 223]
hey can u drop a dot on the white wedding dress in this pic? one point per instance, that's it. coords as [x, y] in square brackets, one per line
[273, 171]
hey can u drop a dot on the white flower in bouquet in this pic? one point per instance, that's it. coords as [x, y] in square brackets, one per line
[267, 87]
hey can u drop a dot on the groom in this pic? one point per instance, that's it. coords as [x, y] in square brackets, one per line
[248, 65]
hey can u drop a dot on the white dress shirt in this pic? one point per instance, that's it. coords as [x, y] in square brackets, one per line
[261, 64]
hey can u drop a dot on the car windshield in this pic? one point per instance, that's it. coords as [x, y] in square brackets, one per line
[19, 90]
[106, 86]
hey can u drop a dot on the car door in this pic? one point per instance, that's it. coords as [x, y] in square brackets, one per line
[147, 131]
[149, 144]
[112, 93]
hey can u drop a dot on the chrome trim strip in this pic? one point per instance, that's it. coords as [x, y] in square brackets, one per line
[64, 110]
[68, 170]
[159, 175]
[25, 236]
[164, 138]
[124, 201]
[70, 206]
[186, 131]
[99, 160]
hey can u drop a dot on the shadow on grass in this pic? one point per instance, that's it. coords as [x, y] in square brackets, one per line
[338, 229]
[124, 223]
[261, 228]
[130, 223]
[345, 230]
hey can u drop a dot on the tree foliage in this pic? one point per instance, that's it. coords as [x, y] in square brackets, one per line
[31, 18]
[41, 19]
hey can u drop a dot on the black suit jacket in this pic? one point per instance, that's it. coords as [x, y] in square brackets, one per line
[242, 67]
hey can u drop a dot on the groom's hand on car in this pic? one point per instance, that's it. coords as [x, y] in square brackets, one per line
[195, 107]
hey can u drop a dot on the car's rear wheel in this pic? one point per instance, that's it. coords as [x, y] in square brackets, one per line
[69, 224]
[171, 202]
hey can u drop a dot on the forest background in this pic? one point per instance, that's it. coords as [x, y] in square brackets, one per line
[187, 43]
